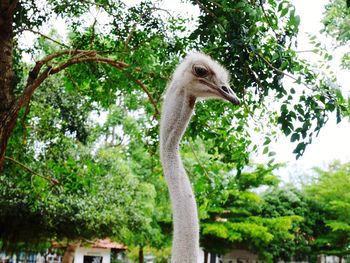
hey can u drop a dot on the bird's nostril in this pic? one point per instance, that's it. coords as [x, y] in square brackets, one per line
[224, 88]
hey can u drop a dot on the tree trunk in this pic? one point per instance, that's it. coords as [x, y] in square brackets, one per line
[141, 255]
[70, 252]
[205, 256]
[6, 58]
[7, 124]
[340, 259]
[7, 75]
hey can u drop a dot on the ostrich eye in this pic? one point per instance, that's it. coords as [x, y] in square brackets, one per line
[200, 71]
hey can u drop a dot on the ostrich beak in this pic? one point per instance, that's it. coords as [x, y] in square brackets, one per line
[225, 91]
[228, 94]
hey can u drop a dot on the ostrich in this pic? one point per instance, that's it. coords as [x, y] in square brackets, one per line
[198, 76]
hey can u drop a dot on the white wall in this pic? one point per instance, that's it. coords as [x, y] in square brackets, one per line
[105, 253]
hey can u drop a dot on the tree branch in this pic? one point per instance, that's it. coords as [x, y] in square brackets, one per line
[22, 122]
[31, 86]
[51, 180]
[150, 97]
[35, 79]
[305, 51]
[255, 76]
[281, 71]
[267, 18]
[197, 159]
[44, 36]
[126, 43]
[92, 39]
[38, 65]
[206, 10]
[73, 81]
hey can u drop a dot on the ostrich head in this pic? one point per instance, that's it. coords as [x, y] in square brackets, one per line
[202, 77]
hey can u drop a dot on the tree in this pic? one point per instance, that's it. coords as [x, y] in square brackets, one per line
[253, 39]
[256, 41]
[230, 209]
[336, 24]
[125, 44]
[51, 133]
[330, 189]
[101, 199]
[78, 190]
[289, 201]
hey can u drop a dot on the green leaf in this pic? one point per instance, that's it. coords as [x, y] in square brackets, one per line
[295, 137]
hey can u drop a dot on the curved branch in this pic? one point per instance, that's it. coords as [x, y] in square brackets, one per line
[35, 79]
[33, 74]
[51, 180]
[31, 86]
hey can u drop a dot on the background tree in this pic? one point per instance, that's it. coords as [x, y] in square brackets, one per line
[289, 201]
[336, 24]
[78, 189]
[123, 42]
[230, 209]
[330, 189]
[258, 40]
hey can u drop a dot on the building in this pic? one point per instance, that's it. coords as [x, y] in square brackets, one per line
[98, 251]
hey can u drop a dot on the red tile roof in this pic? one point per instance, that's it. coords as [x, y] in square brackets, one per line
[98, 243]
[107, 243]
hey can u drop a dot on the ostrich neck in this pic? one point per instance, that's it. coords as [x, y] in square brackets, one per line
[177, 111]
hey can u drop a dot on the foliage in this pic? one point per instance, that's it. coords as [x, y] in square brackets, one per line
[161, 255]
[336, 24]
[230, 209]
[77, 190]
[289, 201]
[336, 21]
[73, 185]
[330, 189]
[256, 41]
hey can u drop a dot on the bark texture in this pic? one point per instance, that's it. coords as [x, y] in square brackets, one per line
[6, 63]
[7, 75]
